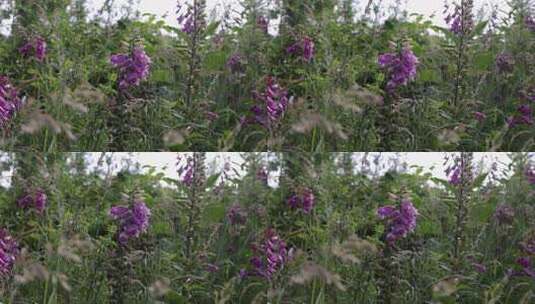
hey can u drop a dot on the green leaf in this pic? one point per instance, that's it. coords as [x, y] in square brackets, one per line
[212, 180]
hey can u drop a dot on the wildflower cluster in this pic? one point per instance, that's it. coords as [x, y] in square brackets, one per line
[304, 201]
[36, 200]
[185, 170]
[270, 256]
[9, 100]
[461, 20]
[304, 48]
[35, 47]
[133, 220]
[275, 102]
[9, 249]
[526, 261]
[523, 117]
[133, 67]
[234, 63]
[400, 219]
[191, 16]
[401, 67]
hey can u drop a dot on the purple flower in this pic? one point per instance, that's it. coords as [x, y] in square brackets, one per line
[527, 267]
[479, 267]
[9, 100]
[133, 67]
[304, 47]
[530, 23]
[400, 220]
[455, 177]
[505, 63]
[528, 245]
[524, 116]
[275, 102]
[461, 21]
[236, 215]
[529, 173]
[262, 174]
[191, 17]
[212, 268]
[36, 200]
[504, 214]
[262, 23]
[304, 200]
[9, 249]
[185, 170]
[133, 220]
[35, 47]
[234, 62]
[270, 256]
[480, 116]
[400, 67]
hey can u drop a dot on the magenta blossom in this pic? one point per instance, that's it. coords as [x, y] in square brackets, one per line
[461, 20]
[133, 220]
[270, 256]
[234, 63]
[9, 250]
[36, 200]
[186, 167]
[275, 102]
[304, 48]
[35, 47]
[455, 177]
[191, 16]
[304, 200]
[480, 116]
[400, 220]
[523, 117]
[133, 67]
[9, 100]
[400, 67]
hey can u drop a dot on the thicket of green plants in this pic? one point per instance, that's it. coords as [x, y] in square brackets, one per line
[320, 75]
[275, 228]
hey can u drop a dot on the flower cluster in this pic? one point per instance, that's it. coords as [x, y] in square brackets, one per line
[304, 48]
[304, 201]
[133, 220]
[234, 63]
[236, 215]
[523, 117]
[480, 116]
[262, 174]
[455, 176]
[36, 200]
[528, 268]
[9, 100]
[262, 23]
[270, 256]
[275, 100]
[400, 219]
[191, 17]
[504, 214]
[505, 63]
[401, 67]
[133, 67]
[461, 21]
[9, 249]
[185, 170]
[35, 47]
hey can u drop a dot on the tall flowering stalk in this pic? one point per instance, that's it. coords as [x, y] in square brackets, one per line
[193, 173]
[273, 104]
[463, 182]
[461, 22]
[305, 48]
[9, 101]
[133, 67]
[192, 22]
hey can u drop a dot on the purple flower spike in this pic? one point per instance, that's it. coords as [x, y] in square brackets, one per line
[271, 256]
[401, 68]
[304, 201]
[133, 220]
[9, 250]
[10, 102]
[36, 200]
[36, 47]
[133, 67]
[400, 220]
[305, 47]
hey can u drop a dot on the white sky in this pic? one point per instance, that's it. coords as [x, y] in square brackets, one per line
[425, 7]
